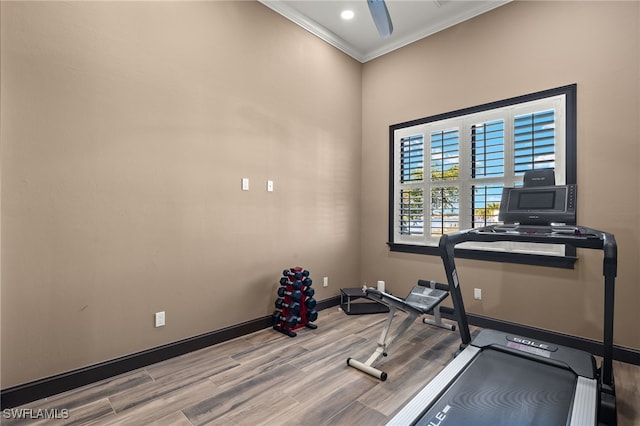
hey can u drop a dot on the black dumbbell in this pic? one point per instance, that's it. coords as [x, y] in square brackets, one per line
[294, 307]
[309, 292]
[296, 285]
[312, 315]
[291, 274]
[310, 303]
[295, 294]
[307, 282]
[299, 272]
[289, 322]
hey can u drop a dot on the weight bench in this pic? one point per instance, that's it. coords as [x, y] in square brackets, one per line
[424, 298]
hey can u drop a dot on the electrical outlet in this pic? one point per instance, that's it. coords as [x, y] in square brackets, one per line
[477, 293]
[160, 319]
[325, 282]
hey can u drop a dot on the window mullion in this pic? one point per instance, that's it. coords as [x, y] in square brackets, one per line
[509, 170]
[464, 181]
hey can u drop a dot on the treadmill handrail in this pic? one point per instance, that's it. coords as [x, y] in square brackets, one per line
[583, 238]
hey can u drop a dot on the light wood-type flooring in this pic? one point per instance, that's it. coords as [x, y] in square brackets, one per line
[267, 378]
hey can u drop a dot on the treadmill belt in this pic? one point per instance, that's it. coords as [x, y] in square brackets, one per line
[502, 389]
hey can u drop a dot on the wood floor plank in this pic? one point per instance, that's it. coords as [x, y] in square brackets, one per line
[267, 378]
[323, 377]
[238, 395]
[149, 392]
[356, 413]
[94, 392]
[201, 369]
[196, 359]
[279, 344]
[165, 405]
[335, 399]
[277, 409]
[261, 365]
[175, 419]
[90, 412]
[328, 353]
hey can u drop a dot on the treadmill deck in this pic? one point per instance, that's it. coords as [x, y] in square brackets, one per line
[498, 388]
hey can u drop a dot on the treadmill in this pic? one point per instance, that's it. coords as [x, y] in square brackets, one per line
[505, 379]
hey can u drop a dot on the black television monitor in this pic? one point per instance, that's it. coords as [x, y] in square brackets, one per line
[539, 205]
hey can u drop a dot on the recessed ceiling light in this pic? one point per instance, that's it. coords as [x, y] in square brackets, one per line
[347, 14]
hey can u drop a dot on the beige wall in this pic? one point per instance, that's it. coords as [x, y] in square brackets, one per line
[126, 130]
[521, 48]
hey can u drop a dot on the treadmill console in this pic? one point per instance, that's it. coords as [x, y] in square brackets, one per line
[539, 205]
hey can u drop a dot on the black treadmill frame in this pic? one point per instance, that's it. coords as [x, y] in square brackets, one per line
[582, 237]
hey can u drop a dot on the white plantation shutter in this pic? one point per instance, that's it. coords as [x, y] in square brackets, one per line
[534, 141]
[487, 171]
[487, 149]
[445, 189]
[411, 200]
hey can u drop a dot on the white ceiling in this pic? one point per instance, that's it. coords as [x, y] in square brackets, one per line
[412, 21]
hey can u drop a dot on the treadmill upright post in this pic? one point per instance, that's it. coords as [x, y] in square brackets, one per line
[447, 247]
[610, 269]
[608, 411]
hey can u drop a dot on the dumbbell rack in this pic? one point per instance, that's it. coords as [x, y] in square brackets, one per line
[295, 302]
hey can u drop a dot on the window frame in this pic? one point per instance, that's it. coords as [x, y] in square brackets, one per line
[570, 160]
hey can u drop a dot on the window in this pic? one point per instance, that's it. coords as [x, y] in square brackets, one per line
[447, 171]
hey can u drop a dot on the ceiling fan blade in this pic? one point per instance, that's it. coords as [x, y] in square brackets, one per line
[381, 17]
